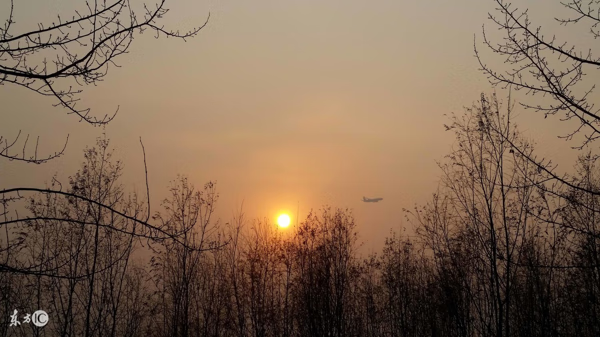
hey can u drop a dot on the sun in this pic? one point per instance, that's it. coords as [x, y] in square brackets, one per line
[283, 220]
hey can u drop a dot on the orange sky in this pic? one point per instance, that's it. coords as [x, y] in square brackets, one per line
[282, 102]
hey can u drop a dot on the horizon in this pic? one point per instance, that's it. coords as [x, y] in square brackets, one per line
[204, 171]
[316, 114]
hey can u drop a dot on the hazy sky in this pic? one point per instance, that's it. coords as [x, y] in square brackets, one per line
[280, 102]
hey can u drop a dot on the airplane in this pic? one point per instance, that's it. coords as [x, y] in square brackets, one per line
[371, 200]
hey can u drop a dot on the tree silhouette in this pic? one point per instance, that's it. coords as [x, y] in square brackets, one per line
[60, 58]
[547, 66]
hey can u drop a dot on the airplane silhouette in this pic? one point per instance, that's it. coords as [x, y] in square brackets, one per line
[371, 199]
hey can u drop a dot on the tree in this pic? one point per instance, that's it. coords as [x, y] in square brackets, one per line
[545, 65]
[477, 223]
[59, 60]
[548, 66]
[405, 277]
[80, 270]
[326, 273]
[178, 269]
[73, 52]
[88, 194]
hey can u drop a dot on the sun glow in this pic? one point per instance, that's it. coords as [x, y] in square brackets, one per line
[283, 220]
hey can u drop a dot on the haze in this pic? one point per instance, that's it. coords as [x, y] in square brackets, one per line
[283, 103]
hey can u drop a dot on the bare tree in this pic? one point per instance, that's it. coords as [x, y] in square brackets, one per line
[80, 194]
[59, 59]
[476, 224]
[178, 269]
[326, 273]
[78, 254]
[548, 66]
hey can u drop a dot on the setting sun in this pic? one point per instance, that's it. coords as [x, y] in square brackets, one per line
[283, 220]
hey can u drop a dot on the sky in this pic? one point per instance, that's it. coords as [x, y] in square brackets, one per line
[287, 105]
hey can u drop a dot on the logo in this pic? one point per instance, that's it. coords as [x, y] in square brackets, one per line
[39, 318]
